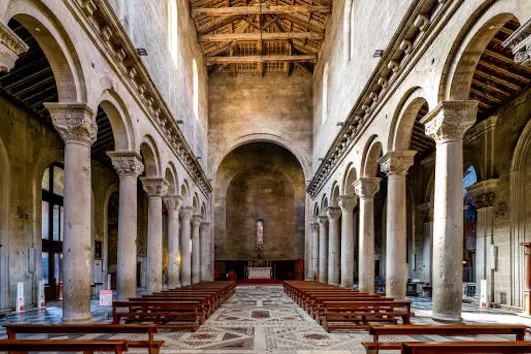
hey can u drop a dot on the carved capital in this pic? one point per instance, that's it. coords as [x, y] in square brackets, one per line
[11, 47]
[205, 225]
[367, 187]
[333, 213]
[74, 122]
[450, 120]
[126, 163]
[197, 220]
[314, 226]
[155, 186]
[347, 203]
[186, 213]
[323, 219]
[397, 162]
[484, 193]
[173, 202]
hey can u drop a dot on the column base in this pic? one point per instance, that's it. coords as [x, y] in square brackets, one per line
[447, 319]
[83, 318]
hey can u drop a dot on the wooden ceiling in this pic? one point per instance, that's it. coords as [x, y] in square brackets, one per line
[260, 36]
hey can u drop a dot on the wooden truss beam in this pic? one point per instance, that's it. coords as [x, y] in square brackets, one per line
[229, 37]
[261, 59]
[258, 10]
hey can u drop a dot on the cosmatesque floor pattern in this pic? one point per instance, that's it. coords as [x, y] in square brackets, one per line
[256, 319]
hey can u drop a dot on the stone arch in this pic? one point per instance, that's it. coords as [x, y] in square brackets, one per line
[195, 203]
[349, 178]
[151, 157]
[334, 194]
[467, 50]
[170, 177]
[4, 227]
[185, 191]
[404, 119]
[121, 123]
[263, 138]
[113, 188]
[324, 203]
[203, 210]
[316, 211]
[56, 45]
[371, 154]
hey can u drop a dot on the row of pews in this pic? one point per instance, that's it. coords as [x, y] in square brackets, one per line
[338, 308]
[181, 309]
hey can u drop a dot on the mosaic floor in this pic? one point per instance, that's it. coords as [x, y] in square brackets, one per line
[262, 319]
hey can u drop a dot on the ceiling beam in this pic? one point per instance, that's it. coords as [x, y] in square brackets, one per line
[229, 37]
[260, 59]
[258, 10]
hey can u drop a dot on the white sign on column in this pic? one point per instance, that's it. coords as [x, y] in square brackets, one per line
[483, 294]
[20, 297]
[42, 302]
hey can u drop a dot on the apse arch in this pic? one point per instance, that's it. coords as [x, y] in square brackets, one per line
[56, 45]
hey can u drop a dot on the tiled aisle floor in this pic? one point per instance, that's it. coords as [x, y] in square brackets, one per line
[262, 319]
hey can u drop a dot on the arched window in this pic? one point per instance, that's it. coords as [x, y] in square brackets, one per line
[172, 29]
[196, 89]
[324, 97]
[350, 43]
[52, 227]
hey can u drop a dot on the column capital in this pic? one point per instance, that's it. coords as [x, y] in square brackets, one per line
[205, 224]
[126, 163]
[450, 120]
[186, 213]
[323, 219]
[173, 201]
[347, 203]
[74, 121]
[367, 187]
[155, 186]
[484, 192]
[333, 213]
[397, 162]
[314, 226]
[197, 220]
[11, 47]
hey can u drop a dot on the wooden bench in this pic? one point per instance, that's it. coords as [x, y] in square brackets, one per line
[465, 347]
[173, 315]
[318, 306]
[85, 346]
[150, 329]
[441, 330]
[358, 314]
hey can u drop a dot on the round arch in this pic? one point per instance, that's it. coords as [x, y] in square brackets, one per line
[121, 124]
[334, 194]
[262, 138]
[170, 177]
[316, 211]
[349, 178]
[324, 203]
[151, 156]
[56, 45]
[371, 154]
[185, 191]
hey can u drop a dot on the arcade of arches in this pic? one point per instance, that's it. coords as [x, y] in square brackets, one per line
[143, 157]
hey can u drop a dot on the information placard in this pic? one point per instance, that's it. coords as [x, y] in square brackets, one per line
[42, 302]
[20, 297]
[483, 294]
[105, 297]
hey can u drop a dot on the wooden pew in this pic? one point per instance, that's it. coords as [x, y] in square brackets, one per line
[85, 346]
[441, 330]
[465, 347]
[150, 329]
[174, 315]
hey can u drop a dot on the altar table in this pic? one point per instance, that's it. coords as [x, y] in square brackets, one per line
[259, 272]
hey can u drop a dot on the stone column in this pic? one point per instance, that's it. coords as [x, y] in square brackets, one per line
[196, 249]
[395, 164]
[314, 250]
[347, 204]
[155, 188]
[11, 47]
[447, 124]
[77, 126]
[173, 203]
[366, 188]
[204, 234]
[426, 209]
[128, 165]
[186, 245]
[323, 248]
[334, 261]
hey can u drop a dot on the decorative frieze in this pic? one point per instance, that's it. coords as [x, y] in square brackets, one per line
[74, 122]
[520, 44]
[126, 163]
[11, 47]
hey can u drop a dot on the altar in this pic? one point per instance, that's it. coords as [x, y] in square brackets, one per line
[259, 270]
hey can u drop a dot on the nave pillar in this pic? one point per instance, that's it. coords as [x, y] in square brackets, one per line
[128, 166]
[196, 250]
[314, 251]
[186, 245]
[173, 204]
[155, 188]
[447, 124]
[334, 213]
[347, 204]
[204, 234]
[77, 127]
[366, 188]
[323, 248]
[396, 164]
